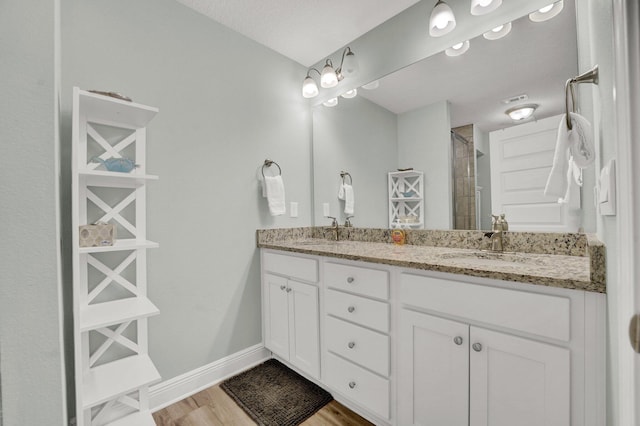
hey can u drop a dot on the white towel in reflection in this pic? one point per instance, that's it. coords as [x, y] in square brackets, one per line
[349, 201]
[574, 151]
[274, 189]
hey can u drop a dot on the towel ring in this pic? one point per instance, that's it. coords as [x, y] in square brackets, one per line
[590, 76]
[269, 163]
[344, 174]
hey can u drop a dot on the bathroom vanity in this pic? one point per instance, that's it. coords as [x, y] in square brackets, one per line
[417, 334]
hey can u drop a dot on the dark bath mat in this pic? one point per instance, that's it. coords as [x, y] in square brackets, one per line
[273, 395]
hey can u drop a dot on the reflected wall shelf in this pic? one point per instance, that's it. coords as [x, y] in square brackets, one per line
[410, 183]
[113, 370]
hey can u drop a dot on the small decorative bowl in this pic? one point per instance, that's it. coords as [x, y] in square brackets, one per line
[408, 194]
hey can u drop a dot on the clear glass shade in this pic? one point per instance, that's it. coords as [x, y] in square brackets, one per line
[309, 88]
[442, 20]
[482, 7]
[328, 77]
[522, 112]
[350, 65]
[331, 102]
[350, 94]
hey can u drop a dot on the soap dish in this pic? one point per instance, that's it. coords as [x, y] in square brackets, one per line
[408, 194]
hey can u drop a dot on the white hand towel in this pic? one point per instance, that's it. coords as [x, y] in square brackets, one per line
[349, 200]
[341, 192]
[578, 140]
[274, 187]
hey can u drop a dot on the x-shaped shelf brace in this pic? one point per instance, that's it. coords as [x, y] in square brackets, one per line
[109, 150]
[112, 276]
[127, 400]
[114, 212]
[113, 336]
[405, 185]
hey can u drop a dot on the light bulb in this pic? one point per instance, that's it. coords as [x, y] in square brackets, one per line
[482, 7]
[350, 64]
[328, 77]
[457, 49]
[522, 112]
[309, 88]
[547, 12]
[498, 32]
[331, 102]
[442, 20]
[350, 94]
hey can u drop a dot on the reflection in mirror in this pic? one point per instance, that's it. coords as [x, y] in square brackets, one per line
[445, 116]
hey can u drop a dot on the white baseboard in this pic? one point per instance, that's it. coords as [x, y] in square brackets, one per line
[175, 389]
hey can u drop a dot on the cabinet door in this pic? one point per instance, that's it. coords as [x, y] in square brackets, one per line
[433, 371]
[516, 381]
[276, 315]
[304, 327]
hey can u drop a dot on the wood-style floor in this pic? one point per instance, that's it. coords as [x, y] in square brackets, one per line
[213, 406]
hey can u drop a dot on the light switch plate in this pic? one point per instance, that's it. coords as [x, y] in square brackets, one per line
[293, 209]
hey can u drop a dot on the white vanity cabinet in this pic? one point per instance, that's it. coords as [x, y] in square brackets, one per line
[478, 355]
[291, 310]
[357, 346]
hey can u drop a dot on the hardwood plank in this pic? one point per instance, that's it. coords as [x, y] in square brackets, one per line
[336, 414]
[162, 418]
[227, 409]
[202, 416]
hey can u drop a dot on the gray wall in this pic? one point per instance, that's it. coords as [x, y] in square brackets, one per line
[424, 143]
[30, 302]
[226, 103]
[360, 137]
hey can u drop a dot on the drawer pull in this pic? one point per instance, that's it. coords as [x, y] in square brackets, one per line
[282, 287]
[350, 280]
[477, 347]
[351, 345]
[352, 385]
[351, 309]
[457, 340]
[288, 289]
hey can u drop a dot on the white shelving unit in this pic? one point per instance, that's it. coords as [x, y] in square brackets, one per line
[403, 205]
[113, 370]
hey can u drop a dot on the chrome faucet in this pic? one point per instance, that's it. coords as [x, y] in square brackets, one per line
[347, 222]
[498, 226]
[335, 228]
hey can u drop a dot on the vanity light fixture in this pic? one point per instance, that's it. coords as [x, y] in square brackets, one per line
[482, 7]
[457, 49]
[547, 12]
[350, 94]
[442, 21]
[498, 32]
[521, 112]
[330, 102]
[329, 77]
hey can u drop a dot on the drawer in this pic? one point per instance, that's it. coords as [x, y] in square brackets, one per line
[302, 268]
[541, 314]
[360, 345]
[358, 384]
[363, 311]
[364, 281]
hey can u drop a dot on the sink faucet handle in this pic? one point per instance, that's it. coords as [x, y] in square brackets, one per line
[347, 222]
[334, 221]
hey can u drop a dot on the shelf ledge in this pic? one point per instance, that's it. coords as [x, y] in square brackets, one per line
[116, 312]
[117, 378]
[120, 245]
[140, 418]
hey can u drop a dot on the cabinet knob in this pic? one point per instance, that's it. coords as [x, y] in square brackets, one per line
[288, 289]
[352, 385]
[477, 347]
[351, 345]
[282, 287]
[351, 309]
[457, 340]
[350, 280]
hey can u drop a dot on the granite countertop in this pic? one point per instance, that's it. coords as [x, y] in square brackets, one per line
[555, 270]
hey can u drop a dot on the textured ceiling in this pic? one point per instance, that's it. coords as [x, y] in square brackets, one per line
[306, 31]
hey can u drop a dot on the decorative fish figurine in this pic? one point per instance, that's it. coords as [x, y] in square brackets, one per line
[122, 165]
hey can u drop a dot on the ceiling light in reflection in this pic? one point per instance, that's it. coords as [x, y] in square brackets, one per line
[331, 102]
[457, 49]
[350, 94]
[521, 112]
[372, 86]
[547, 12]
[498, 32]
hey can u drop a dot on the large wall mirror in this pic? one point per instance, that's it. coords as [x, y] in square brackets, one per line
[442, 116]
